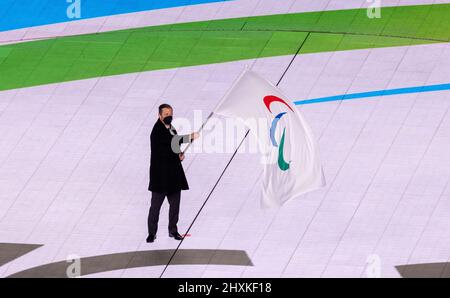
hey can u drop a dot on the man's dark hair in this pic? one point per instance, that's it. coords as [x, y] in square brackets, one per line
[164, 106]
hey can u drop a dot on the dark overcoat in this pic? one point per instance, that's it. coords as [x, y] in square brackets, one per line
[166, 172]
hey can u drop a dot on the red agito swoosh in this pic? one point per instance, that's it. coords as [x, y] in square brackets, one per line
[271, 98]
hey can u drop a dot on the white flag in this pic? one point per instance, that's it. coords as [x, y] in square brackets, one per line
[292, 164]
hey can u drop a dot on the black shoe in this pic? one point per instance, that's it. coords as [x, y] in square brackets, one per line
[176, 236]
[150, 238]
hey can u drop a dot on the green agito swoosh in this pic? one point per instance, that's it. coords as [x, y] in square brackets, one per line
[282, 164]
[177, 45]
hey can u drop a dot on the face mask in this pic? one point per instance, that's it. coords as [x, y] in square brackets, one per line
[167, 120]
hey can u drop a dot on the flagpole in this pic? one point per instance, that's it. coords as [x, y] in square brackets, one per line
[217, 105]
[201, 128]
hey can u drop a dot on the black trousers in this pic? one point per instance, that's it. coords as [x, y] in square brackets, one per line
[155, 207]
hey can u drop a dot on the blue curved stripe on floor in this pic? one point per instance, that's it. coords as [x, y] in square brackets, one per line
[418, 89]
[16, 14]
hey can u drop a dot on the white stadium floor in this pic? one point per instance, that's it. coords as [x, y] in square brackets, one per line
[74, 169]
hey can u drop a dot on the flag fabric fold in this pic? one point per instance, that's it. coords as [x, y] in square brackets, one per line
[290, 153]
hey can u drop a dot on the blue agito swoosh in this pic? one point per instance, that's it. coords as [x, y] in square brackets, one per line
[16, 14]
[273, 128]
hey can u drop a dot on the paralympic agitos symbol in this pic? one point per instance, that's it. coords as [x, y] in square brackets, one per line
[282, 164]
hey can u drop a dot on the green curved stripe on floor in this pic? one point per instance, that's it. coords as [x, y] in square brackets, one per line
[177, 45]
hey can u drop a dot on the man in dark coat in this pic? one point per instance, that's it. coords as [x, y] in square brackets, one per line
[166, 172]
